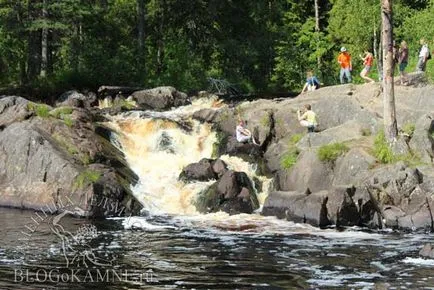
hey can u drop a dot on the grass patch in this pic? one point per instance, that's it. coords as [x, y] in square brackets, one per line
[382, 150]
[41, 110]
[70, 148]
[385, 155]
[331, 152]
[296, 138]
[127, 105]
[61, 113]
[289, 159]
[85, 178]
[291, 155]
[265, 120]
[68, 121]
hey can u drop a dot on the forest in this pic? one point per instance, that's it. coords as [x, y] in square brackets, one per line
[47, 46]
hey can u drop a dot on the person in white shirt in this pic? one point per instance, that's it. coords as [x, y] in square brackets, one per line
[243, 134]
[423, 56]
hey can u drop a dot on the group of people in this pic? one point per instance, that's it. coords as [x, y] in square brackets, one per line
[400, 55]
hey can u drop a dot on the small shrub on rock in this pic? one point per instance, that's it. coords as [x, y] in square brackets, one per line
[331, 152]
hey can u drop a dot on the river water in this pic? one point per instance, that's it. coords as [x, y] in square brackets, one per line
[173, 246]
[217, 252]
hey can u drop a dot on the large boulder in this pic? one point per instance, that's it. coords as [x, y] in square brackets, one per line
[232, 193]
[45, 162]
[308, 172]
[322, 208]
[160, 98]
[353, 168]
[204, 170]
[76, 99]
[296, 206]
[422, 142]
[12, 109]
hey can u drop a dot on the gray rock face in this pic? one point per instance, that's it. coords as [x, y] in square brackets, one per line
[232, 193]
[308, 172]
[160, 98]
[13, 109]
[45, 163]
[322, 208]
[422, 142]
[353, 168]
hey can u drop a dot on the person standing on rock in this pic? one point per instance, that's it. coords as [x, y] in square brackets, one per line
[344, 60]
[308, 118]
[243, 134]
[368, 60]
[403, 61]
[424, 55]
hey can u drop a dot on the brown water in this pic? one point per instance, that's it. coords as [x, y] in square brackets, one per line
[187, 253]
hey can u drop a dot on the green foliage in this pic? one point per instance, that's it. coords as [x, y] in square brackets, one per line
[289, 159]
[296, 138]
[408, 129]
[86, 178]
[68, 121]
[41, 110]
[331, 152]
[61, 113]
[258, 45]
[382, 150]
[291, 155]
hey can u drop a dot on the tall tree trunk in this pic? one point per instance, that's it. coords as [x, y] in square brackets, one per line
[160, 41]
[390, 125]
[317, 29]
[44, 42]
[141, 36]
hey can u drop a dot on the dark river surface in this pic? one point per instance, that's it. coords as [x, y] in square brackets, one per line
[204, 252]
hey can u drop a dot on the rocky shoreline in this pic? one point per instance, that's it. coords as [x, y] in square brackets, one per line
[329, 178]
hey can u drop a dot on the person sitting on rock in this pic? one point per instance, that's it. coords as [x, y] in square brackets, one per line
[312, 82]
[243, 134]
[308, 118]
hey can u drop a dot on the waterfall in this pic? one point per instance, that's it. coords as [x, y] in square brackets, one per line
[157, 146]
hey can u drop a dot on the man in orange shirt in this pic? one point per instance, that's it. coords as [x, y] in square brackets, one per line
[344, 60]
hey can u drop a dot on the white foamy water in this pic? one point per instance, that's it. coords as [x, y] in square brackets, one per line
[158, 145]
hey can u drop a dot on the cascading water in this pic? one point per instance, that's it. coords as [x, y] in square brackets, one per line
[158, 146]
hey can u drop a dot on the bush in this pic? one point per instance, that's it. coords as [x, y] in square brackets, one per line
[41, 110]
[331, 152]
[289, 159]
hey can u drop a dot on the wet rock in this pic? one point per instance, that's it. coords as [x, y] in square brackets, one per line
[201, 171]
[427, 251]
[160, 98]
[304, 207]
[341, 208]
[247, 151]
[44, 162]
[232, 193]
[205, 115]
